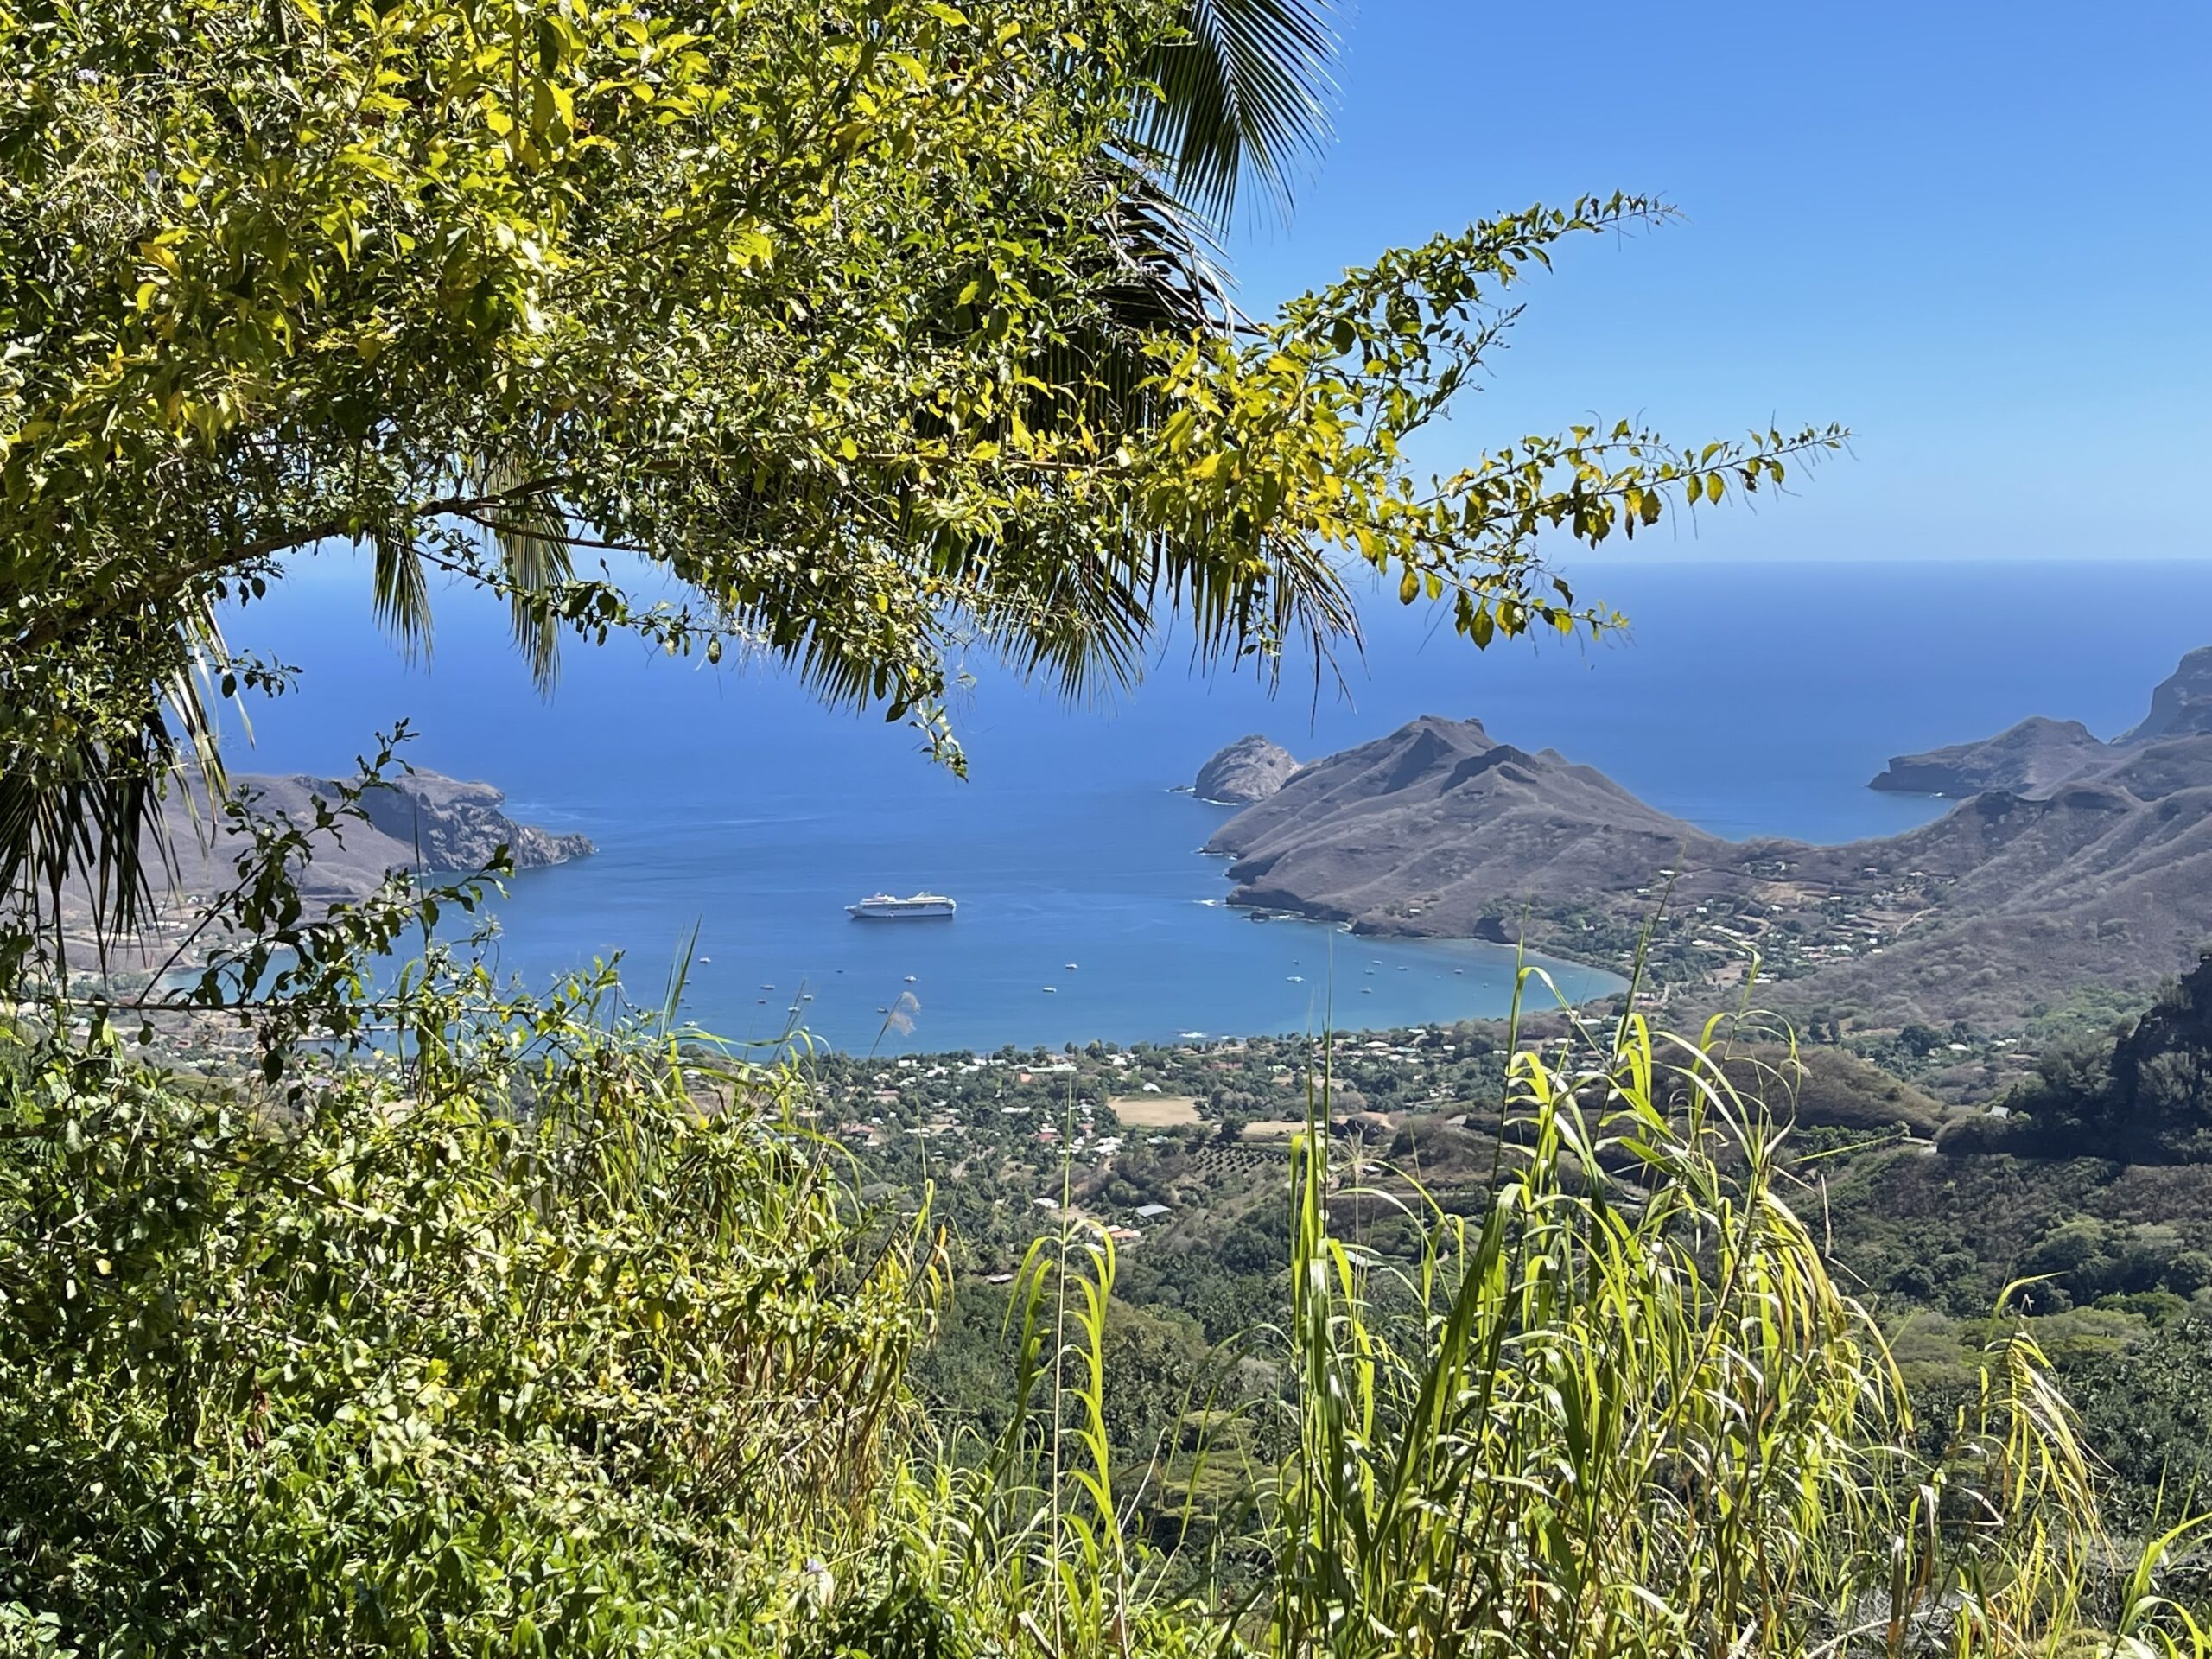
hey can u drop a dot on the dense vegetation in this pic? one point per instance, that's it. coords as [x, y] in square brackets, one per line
[552, 1333]
[2144, 1096]
[523, 1350]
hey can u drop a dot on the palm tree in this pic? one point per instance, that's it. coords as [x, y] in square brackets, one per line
[1244, 92]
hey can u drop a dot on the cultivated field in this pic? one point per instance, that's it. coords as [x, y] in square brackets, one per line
[1154, 1111]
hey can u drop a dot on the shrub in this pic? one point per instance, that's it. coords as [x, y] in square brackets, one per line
[523, 1347]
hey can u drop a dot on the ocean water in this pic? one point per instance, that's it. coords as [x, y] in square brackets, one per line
[1749, 699]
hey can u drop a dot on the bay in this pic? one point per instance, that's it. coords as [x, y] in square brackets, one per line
[1749, 699]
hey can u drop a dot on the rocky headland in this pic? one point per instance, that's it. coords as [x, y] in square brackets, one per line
[415, 821]
[2030, 758]
[2037, 755]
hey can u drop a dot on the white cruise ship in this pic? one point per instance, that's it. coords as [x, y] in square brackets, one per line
[882, 907]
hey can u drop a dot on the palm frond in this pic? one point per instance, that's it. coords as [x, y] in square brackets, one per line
[532, 534]
[400, 591]
[1172, 276]
[1245, 87]
[83, 836]
[74, 833]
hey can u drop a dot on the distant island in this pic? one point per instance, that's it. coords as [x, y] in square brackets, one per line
[2071, 863]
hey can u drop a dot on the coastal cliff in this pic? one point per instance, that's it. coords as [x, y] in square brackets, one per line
[2036, 756]
[2029, 759]
[2181, 704]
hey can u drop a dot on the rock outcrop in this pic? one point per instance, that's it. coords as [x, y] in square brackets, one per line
[2032, 758]
[458, 826]
[1250, 770]
[2181, 704]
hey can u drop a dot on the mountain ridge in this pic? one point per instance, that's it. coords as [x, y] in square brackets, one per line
[2004, 905]
[2039, 755]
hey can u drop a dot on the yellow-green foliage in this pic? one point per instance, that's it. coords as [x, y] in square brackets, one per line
[1625, 1411]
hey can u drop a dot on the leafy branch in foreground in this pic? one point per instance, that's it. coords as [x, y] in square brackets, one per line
[1298, 434]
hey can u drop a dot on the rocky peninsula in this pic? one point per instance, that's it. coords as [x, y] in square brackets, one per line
[2029, 759]
[416, 820]
[2035, 757]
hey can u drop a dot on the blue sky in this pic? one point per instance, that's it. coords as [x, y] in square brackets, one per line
[1976, 234]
